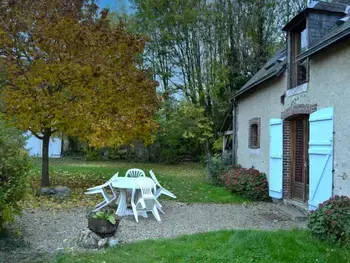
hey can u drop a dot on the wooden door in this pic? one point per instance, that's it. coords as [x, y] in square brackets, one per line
[300, 159]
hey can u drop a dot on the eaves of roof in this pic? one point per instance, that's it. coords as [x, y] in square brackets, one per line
[277, 72]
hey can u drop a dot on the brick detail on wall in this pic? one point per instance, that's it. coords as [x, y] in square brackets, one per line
[254, 133]
[298, 109]
[287, 129]
[287, 132]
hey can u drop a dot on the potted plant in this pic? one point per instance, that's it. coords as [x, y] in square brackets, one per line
[103, 222]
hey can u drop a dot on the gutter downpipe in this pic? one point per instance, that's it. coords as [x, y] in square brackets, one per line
[234, 130]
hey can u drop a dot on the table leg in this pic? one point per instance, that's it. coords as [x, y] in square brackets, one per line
[122, 206]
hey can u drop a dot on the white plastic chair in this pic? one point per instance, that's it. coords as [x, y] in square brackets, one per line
[101, 189]
[161, 190]
[105, 184]
[147, 201]
[135, 173]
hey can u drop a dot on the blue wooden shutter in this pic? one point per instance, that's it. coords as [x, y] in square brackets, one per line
[320, 157]
[276, 150]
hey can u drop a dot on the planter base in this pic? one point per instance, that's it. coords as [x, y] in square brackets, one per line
[102, 227]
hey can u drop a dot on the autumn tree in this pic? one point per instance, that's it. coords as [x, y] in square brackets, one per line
[67, 70]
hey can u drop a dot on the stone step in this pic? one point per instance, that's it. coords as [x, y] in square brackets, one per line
[292, 212]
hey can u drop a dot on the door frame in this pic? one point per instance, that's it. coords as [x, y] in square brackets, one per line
[287, 115]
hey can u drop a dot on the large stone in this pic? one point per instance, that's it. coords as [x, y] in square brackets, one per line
[292, 213]
[47, 191]
[91, 240]
[57, 191]
[102, 243]
[62, 191]
[88, 239]
[113, 241]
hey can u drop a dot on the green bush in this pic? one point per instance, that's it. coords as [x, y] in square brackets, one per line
[331, 221]
[184, 134]
[14, 167]
[92, 154]
[216, 166]
[249, 183]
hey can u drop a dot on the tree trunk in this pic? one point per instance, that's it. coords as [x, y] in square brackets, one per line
[45, 179]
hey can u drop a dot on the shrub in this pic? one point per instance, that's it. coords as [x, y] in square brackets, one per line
[92, 154]
[249, 183]
[14, 167]
[331, 221]
[184, 133]
[216, 166]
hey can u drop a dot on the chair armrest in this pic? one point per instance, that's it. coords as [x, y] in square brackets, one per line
[94, 191]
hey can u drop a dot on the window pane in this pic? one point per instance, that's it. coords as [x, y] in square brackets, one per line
[254, 135]
[304, 39]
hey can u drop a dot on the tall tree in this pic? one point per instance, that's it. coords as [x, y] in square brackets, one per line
[204, 51]
[68, 71]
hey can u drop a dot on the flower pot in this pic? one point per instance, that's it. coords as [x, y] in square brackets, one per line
[102, 226]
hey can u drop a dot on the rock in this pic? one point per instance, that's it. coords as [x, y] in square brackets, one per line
[94, 235]
[113, 241]
[102, 243]
[57, 191]
[88, 239]
[62, 191]
[47, 191]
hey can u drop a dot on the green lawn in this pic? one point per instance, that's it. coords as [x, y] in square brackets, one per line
[222, 246]
[187, 181]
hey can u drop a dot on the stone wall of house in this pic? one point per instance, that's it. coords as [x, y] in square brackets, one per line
[329, 86]
[262, 104]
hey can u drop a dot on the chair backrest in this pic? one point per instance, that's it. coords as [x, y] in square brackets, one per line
[154, 178]
[135, 173]
[146, 185]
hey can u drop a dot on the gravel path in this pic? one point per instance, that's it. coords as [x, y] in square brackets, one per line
[48, 231]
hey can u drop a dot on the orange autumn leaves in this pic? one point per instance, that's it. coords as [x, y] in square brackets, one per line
[69, 70]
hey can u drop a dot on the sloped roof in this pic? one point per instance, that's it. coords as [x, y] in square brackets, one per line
[274, 67]
[340, 31]
[315, 6]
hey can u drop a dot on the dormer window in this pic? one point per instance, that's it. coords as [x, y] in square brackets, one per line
[299, 42]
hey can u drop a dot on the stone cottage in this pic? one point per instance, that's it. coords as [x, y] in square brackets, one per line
[291, 120]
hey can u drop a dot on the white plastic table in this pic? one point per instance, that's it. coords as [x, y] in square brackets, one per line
[124, 184]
